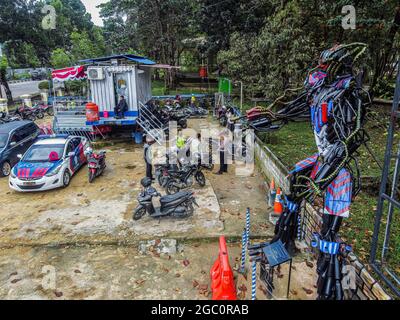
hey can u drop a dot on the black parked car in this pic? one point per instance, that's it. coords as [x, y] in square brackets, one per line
[15, 138]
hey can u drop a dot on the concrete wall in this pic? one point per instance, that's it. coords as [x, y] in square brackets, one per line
[270, 166]
[367, 287]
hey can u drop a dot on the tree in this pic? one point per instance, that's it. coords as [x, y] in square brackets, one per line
[60, 59]
[21, 28]
[296, 31]
[3, 80]
[154, 27]
[82, 47]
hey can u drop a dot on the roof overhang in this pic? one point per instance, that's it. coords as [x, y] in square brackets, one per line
[161, 66]
[128, 57]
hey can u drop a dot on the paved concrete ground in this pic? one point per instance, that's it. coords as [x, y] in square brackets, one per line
[85, 234]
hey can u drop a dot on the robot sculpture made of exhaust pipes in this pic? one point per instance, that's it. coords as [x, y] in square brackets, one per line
[336, 103]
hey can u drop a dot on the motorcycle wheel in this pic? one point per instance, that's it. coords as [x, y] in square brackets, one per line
[139, 213]
[40, 115]
[163, 180]
[31, 117]
[200, 178]
[183, 124]
[92, 175]
[172, 188]
[223, 121]
[210, 166]
[159, 178]
[189, 208]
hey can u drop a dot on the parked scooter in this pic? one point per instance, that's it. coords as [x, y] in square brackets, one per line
[96, 163]
[178, 205]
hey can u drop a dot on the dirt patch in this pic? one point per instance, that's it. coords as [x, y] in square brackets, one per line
[109, 272]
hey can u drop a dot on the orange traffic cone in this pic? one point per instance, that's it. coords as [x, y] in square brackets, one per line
[278, 207]
[222, 280]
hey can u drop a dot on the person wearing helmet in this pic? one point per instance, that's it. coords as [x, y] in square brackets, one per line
[180, 140]
[193, 101]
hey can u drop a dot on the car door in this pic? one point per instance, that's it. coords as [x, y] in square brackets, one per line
[14, 147]
[73, 161]
[79, 149]
[32, 131]
[25, 139]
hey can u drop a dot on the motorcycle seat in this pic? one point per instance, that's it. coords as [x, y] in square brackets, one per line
[173, 197]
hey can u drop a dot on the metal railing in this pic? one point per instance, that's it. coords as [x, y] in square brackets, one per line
[150, 124]
[388, 203]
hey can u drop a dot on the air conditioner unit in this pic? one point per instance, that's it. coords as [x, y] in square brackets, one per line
[95, 73]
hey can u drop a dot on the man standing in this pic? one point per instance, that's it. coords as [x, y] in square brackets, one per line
[195, 149]
[222, 156]
[121, 108]
[148, 156]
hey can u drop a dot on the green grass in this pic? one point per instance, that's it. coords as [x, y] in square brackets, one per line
[158, 89]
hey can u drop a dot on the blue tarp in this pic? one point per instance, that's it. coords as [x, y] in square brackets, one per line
[130, 57]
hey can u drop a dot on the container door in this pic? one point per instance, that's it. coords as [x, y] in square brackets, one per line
[121, 87]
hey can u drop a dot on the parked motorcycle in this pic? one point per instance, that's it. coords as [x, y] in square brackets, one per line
[178, 205]
[196, 112]
[96, 163]
[180, 117]
[44, 108]
[162, 172]
[5, 118]
[183, 178]
[25, 113]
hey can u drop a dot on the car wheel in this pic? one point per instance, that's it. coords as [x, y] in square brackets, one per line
[66, 178]
[5, 169]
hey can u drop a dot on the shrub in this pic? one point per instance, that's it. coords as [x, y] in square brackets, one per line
[44, 85]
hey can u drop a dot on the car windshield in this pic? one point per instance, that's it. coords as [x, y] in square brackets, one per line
[44, 153]
[3, 140]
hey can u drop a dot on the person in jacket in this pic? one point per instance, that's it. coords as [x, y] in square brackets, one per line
[148, 156]
[121, 108]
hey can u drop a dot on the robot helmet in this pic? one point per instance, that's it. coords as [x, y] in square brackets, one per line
[346, 53]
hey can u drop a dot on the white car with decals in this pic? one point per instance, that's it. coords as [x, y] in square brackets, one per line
[49, 163]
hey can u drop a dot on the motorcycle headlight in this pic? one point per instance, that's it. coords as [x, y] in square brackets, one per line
[54, 172]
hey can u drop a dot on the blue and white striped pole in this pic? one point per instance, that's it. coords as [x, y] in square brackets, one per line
[253, 280]
[247, 226]
[244, 247]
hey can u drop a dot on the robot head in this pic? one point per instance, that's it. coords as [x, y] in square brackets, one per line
[340, 58]
[336, 61]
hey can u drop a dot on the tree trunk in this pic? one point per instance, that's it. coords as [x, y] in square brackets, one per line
[3, 82]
